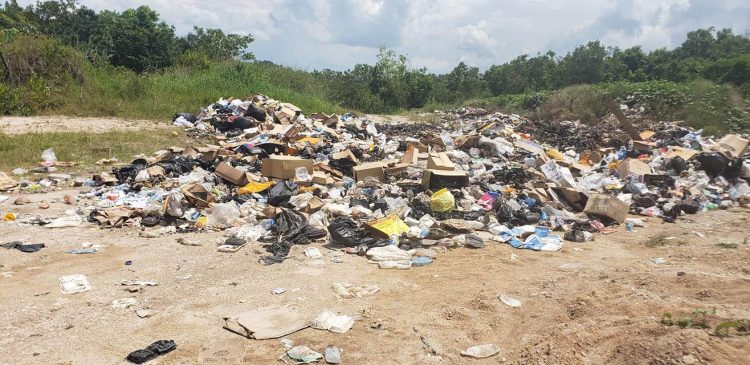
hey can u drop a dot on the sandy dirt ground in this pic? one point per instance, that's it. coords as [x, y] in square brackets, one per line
[597, 302]
[56, 123]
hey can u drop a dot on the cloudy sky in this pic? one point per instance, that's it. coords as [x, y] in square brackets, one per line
[437, 34]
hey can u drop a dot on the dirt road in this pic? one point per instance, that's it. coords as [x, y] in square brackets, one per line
[598, 302]
[56, 123]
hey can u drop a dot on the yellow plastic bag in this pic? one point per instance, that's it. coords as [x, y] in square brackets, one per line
[389, 225]
[555, 154]
[254, 187]
[442, 201]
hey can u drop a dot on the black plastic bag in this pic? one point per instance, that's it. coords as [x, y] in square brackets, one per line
[190, 117]
[712, 163]
[255, 112]
[282, 192]
[128, 173]
[292, 228]
[345, 232]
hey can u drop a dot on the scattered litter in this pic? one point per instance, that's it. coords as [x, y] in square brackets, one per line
[145, 313]
[481, 351]
[20, 246]
[332, 355]
[71, 284]
[509, 301]
[151, 352]
[265, 323]
[303, 354]
[313, 253]
[330, 321]
[347, 291]
[124, 303]
[278, 290]
[658, 260]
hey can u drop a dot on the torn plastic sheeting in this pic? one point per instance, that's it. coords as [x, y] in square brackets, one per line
[254, 187]
[388, 226]
[330, 321]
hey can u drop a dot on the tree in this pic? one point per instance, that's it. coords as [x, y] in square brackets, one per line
[140, 41]
[464, 82]
[217, 45]
[585, 65]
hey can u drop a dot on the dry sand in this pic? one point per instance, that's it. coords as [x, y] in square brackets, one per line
[605, 311]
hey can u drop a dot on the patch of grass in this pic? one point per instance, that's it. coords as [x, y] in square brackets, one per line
[698, 319]
[727, 245]
[661, 240]
[24, 150]
[740, 326]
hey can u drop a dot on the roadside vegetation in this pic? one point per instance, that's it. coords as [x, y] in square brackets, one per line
[61, 57]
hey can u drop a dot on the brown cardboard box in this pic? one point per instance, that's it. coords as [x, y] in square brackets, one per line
[314, 205]
[438, 179]
[411, 156]
[576, 199]
[440, 161]
[685, 153]
[608, 206]
[419, 146]
[320, 177]
[155, 171]
[646, 135]
[231, 174]
[466, 141]
[369, 169]
[732, 145]
[197, 195]
[191, 152]
[392, 169]
[282, 166]
[630, 165]
[102, 179]
[347, 153]
[328, 169]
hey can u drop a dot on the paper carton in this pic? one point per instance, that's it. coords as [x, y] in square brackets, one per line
[438, 179]
[369, 169]
[231, 174]
[440, 161]
[633, 166]
[282, 166]
[607, 206]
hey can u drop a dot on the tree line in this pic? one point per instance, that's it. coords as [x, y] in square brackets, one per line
[136, 39]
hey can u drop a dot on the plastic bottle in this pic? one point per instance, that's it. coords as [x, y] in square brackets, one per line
[267, 224]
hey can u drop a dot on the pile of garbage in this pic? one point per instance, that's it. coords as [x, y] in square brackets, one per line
[394, 193]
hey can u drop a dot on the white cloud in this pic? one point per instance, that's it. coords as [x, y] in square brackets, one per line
[437, 34]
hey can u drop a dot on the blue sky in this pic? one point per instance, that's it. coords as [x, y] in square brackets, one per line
[437, 34]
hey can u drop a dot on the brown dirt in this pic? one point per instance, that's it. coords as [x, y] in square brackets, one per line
[56, 123]
[607, 311]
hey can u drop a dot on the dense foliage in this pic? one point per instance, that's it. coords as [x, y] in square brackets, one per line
[56, 45]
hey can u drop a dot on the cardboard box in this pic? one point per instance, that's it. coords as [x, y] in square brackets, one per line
[643, 145]
[197, 195]
[633, 166]
[440, 161]
[575, 199]
[369, 169]
[411, 156]
[231, 174]
[320, 177]
[607, 206]
[328, 169]
[466, 141]
[438, 179]
[685, 153]
[313, 205]
[282, 166]
[732, 146]
[646, 135]
[419, 146]
[396, 168]
[103, 179]
[347, 153]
